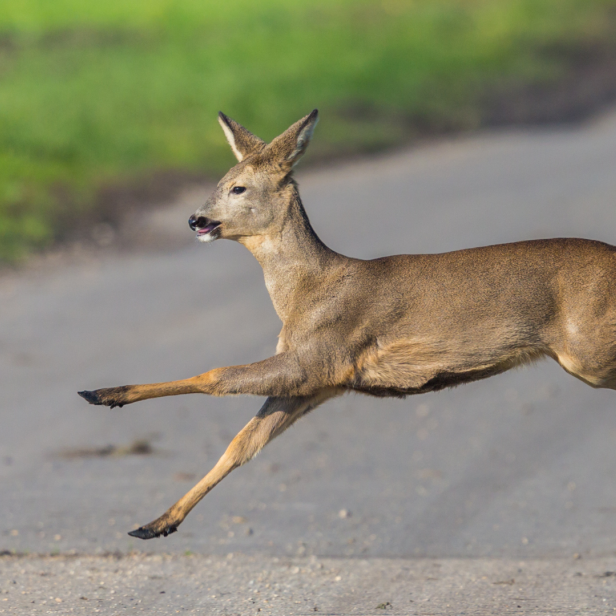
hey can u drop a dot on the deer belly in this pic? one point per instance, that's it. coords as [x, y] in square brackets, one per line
[407, 367]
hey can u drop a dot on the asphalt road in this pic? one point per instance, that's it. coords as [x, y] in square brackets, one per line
[517, 469]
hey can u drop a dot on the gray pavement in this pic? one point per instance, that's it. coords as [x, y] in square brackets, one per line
[517, 469]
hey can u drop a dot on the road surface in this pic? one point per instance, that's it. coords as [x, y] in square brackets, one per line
[516, 472]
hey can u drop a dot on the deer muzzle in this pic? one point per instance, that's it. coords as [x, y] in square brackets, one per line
[202, 225]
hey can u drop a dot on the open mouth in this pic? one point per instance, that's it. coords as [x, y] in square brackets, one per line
[210, 227]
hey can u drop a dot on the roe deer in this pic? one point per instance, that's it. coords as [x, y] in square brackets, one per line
[392, 326]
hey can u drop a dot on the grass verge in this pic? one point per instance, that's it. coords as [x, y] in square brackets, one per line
[97, 95]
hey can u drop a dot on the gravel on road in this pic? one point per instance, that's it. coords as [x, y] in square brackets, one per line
[236, 584]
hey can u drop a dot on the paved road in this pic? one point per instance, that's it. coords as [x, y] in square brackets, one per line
[522, 466]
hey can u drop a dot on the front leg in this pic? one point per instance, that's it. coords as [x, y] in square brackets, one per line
[276, 415]
[280, 376]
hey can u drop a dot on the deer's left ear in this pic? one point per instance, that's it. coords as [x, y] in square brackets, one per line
[242, 141]
[289, 147]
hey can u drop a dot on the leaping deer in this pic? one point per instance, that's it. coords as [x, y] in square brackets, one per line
[393, 326]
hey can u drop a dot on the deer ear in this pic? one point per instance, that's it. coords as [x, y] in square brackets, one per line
[242, 141]
[289, 147]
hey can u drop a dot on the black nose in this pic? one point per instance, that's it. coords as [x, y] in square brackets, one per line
[196, 223]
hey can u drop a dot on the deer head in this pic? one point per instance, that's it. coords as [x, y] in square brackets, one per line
[253, 198]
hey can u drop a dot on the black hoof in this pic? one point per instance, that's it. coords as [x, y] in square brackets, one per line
[143, 533]
[91, 396]
[147, 533]
[94, 397]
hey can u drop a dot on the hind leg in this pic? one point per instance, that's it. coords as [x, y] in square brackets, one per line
[597, 371]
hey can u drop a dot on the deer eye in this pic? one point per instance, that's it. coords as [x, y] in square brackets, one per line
[238, 190]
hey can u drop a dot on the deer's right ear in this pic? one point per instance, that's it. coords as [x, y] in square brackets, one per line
[242, 141]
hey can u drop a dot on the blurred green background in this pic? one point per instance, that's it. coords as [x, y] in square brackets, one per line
[121, 92]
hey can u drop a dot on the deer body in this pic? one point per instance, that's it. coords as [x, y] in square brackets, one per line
[393, 326]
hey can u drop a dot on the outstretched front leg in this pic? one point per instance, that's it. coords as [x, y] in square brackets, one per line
[276, 415]
[280, 376]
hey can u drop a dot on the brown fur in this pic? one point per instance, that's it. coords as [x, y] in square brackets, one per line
[394, 326]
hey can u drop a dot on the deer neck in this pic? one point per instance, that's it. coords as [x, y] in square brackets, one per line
[293, 258]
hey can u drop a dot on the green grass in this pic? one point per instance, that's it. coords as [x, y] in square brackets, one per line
[94, 94]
